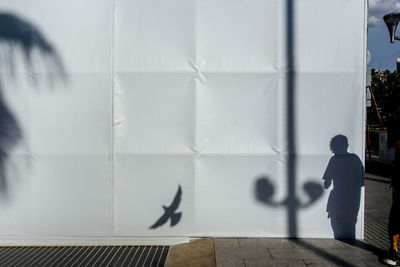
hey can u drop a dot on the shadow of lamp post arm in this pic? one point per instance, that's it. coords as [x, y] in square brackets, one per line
[265, 190]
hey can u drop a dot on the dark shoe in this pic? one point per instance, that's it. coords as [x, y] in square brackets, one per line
[391, 258]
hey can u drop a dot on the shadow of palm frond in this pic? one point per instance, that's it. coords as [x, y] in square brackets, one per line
[20, 37]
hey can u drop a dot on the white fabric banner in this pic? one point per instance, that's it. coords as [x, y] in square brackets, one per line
[170, 118]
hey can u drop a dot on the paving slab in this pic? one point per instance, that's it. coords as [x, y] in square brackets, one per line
[274, 263]
[264, 243]
[230, 262]
[297, 254]
[353, 254]
[226, 242]
[317, 242]
[242, 253]
[195, 253]
[374, 264]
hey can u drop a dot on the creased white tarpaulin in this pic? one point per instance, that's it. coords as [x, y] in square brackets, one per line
[162, 94]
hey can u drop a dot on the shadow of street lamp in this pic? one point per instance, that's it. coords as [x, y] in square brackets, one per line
[265, 191]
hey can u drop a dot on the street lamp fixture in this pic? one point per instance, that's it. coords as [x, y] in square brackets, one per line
[392, 20]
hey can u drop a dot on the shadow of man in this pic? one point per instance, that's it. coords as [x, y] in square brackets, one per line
[346, 172]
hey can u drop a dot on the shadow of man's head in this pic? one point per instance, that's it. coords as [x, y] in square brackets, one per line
[339, 144]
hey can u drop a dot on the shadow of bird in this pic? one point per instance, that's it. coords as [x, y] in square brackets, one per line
[169, 212]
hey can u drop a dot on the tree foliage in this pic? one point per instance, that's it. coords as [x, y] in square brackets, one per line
[386, 88]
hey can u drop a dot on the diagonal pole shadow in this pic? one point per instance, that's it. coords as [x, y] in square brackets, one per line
[324, 254]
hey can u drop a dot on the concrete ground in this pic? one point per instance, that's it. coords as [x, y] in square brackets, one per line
[246, 252]
[195, 253]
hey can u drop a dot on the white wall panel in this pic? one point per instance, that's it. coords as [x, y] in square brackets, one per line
[239, 36]
[329, 36]
[79, 121]
[70, 196]
[321, 101]
[239, 114]
[154, 36]
[157, 115]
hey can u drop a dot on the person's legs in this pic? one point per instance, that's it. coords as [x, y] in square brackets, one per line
[394, 223]
[394, 231]
[394, 239]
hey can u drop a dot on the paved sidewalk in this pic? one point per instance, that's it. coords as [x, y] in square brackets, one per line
[317, 252]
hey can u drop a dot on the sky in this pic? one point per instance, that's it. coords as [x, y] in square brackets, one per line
[383, 53]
